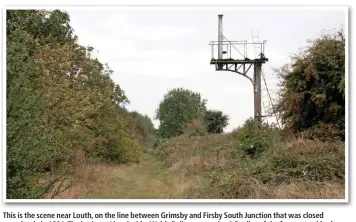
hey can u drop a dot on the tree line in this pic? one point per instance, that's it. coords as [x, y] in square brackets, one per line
[62, 106]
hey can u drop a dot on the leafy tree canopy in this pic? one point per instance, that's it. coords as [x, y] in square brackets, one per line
[60, 102]
[313, 86]
[215, 121]
[178, 108]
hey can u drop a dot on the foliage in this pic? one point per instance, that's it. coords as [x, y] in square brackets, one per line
[142, 124]
[178, 108]
[142, 128]
[215, 121]
[59, 101]
[252, 143]
[196, 128]
[215, 166]
[313, 88]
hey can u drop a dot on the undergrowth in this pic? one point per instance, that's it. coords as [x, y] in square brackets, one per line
[248, 165]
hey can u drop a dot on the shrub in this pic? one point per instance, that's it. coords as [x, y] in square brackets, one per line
[215, 121]
[313, 86]
[251, 143]
[195, 128]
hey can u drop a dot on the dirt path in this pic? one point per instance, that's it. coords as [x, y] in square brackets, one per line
[149, 179]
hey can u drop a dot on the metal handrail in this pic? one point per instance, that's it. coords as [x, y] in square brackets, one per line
[235, 44]
[238, 42]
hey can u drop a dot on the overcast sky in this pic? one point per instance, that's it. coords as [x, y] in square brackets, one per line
[153, 50]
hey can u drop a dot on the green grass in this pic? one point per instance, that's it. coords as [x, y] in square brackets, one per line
[146, 180]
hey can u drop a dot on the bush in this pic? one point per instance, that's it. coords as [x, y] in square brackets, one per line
[215, 121]
[325, 132]
[196, 128]
[303, 160]
[142, 128]
[313, 86]
[251, 143]
[129, 151]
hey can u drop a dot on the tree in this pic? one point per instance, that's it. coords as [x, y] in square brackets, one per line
[59, 101]
[178, 108]
[215, 121]
[312, 88]
[141, 127]
[142, 124]
[33, 137]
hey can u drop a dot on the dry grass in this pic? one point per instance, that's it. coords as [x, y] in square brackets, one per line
[250, 188]
[309, 190]
[206, 167]
[148, 179]
[307, 146]
[296, 169]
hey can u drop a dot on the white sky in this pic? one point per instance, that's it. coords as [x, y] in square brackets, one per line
[155, 49]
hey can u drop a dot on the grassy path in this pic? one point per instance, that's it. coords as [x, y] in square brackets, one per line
[146, 180]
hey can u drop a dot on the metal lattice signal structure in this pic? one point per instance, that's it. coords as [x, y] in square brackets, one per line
[236, 56]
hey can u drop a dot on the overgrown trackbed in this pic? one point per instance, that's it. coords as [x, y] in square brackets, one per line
[206, 167]
[149, 179]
